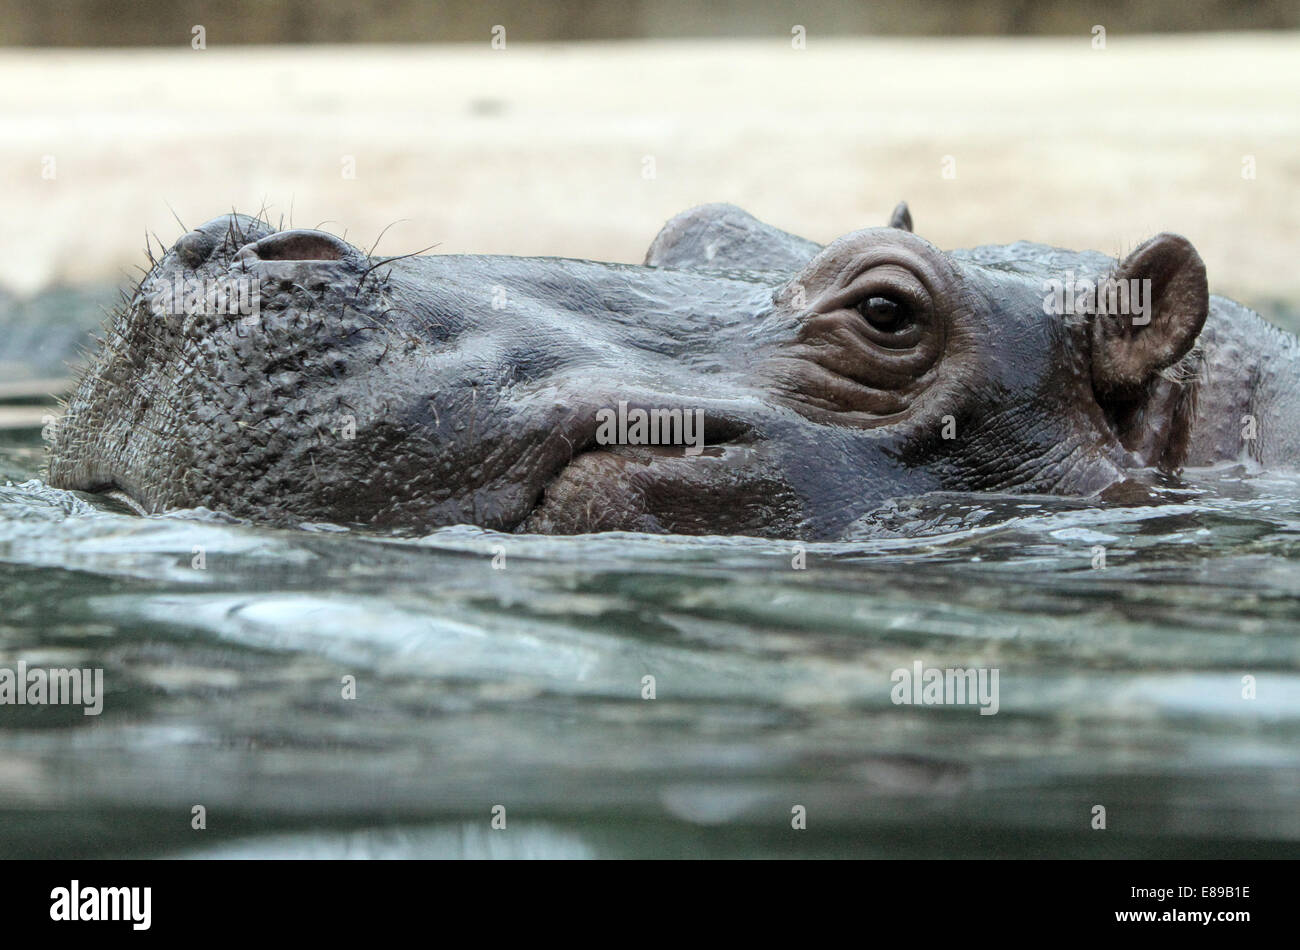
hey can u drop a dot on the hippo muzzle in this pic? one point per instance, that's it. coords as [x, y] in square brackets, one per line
[285, 376]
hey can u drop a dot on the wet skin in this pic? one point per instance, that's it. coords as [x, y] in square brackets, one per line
[427, 391]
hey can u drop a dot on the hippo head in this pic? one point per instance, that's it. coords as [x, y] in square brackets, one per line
[286, 376]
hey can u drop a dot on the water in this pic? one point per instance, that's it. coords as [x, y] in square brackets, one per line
[521, 685]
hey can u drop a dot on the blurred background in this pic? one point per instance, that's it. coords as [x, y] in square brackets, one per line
[114, 23]
[577, 128]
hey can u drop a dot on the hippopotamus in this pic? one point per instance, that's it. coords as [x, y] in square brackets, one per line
[797, 387]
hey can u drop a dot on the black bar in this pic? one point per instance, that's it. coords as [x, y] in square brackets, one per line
[929, 899]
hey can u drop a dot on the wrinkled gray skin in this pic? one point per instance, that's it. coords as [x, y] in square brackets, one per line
[831, 379]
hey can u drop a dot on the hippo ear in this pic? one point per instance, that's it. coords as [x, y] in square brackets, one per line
[901, 218]
[1167, 301]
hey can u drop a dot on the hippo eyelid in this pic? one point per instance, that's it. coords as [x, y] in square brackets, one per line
[893, 281]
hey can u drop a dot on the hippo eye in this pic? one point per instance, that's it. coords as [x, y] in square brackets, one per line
[886, 315]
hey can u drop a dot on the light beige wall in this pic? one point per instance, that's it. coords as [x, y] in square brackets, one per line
[542, 149]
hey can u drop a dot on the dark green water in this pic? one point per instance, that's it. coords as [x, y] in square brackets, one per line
[521, 685]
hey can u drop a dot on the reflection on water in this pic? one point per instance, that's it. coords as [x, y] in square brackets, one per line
[521, 685]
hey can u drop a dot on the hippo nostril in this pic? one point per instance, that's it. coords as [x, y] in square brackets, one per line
[722, 430]
[298, 245]
[195, 247]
